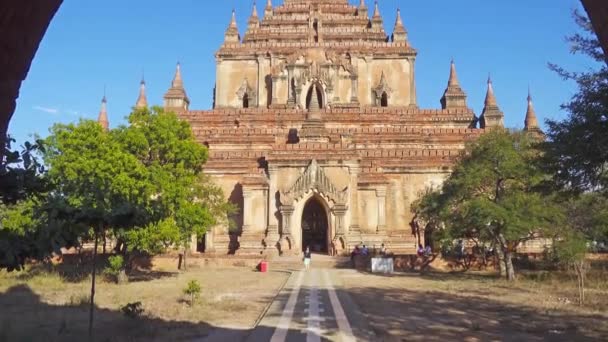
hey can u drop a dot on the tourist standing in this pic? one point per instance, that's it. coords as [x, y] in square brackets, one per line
[307, 256]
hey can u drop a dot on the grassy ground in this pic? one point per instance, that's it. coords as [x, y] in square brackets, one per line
[39, 305]
[540, 306]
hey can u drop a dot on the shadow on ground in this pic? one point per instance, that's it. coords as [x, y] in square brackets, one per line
[24, 317]
[403, 315]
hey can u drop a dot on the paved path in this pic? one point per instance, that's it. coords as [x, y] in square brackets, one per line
[311, 309]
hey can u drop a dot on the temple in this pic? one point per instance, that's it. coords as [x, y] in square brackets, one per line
[315, 132]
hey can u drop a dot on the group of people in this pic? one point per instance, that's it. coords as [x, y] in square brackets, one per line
[363, 250]
[424, 251]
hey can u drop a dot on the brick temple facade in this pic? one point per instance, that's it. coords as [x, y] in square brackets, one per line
[315, 133]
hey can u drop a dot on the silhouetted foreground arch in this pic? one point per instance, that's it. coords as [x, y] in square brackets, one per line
[22, 27]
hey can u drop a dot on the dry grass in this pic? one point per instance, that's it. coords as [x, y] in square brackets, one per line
[44, 306]
[477, 306]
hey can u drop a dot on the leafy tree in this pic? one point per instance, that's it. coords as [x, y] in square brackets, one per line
[97, 182]
[571, 249]
[186, 202]
[577, 147]
[492, 196]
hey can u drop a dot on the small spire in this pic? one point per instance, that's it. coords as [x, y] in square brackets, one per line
[376, 10]
[233, 19]
[232, 32]
[102, 119]
[531, 122]
[491, 116]
[268, 9]
[376, 18]
[490, 98]
[399, 32]
[254, 21]
[398, 21]
[177, 79]
[454, 96]
[362, 10]
[453, 80]
[142, 100]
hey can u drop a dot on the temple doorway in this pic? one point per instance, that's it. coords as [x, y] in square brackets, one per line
[314, 227]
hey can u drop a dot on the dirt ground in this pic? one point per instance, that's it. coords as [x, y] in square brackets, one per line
[478, 307]
[41, 306]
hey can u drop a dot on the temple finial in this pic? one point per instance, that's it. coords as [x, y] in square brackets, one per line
[254, 20]
[142, 100]
[453, 80]
[268, 9]
[102, 119]
[177, 79]
[232, 33]
[376, 18]
[531, 122]
[492, 116]
[454, 96]
[490, 97]
[399, 32]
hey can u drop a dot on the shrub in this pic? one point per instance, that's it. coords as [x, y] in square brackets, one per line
[116, 269]
[133, 310]
[193, 289]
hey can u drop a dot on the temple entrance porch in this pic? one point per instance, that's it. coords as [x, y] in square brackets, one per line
[315, 227]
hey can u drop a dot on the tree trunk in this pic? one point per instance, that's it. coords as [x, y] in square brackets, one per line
[103, 251]
[185, 254]
[509, 265]
[92, 305]
[501, 261]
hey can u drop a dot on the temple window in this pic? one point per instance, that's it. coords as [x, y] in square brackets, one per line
[246, 101]
[384, 100]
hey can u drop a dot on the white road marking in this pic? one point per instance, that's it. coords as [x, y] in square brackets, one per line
[345, 330]
[313, 332]
[280, 334]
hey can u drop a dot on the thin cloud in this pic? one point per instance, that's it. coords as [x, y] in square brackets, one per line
[47, 109]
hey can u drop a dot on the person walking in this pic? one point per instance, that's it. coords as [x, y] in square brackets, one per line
[307, 258]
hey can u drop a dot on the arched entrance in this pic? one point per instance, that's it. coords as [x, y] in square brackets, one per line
[320, 96]
[315, 226]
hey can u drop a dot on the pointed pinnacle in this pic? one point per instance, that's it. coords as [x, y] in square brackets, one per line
[453, 80]
[177, 79]
[254, 12]
[233, 19]
[490, 98]
[531, 122]
[376, 10]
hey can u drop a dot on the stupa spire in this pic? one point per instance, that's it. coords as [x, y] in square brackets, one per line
[268, 9]
[490, 97]
[453, 96]
[102, 119]
[491, 116]
[362, 10]
[176, 98]
[377, 18]
[453, 80]
[531, 122]
[177, 79]
[399, 32]
[254, 20]
[232, 32]
[142, 100]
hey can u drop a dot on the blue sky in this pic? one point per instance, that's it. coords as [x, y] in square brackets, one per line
[92, 44]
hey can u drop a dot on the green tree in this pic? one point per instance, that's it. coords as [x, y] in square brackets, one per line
[96, 180]
[492, 196]
[577, 146]
[186, 202]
